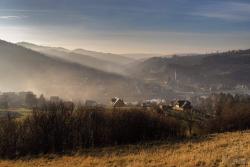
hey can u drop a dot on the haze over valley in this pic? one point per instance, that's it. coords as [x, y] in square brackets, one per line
[80, 74]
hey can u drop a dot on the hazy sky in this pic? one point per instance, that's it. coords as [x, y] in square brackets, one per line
[129, 26]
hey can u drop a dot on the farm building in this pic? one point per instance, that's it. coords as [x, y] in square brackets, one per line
[181, 105]
[90, 103]
[117, 102]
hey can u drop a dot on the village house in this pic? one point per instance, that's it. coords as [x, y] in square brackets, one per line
[153, 102]
[90, 103]
[117, 102]
[181, 105]
[55, 99]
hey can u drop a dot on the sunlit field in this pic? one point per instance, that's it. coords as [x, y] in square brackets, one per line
[227, 149]
[16, 112]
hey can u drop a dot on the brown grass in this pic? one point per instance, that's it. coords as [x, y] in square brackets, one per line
[227, 149]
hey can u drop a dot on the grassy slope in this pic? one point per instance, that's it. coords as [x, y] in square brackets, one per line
[214, 150]
[19, 112]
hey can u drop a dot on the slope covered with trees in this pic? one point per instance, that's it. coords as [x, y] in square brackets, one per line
[225, 70]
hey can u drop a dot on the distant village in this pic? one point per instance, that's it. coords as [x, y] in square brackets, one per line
[29, 99]
[190, 111]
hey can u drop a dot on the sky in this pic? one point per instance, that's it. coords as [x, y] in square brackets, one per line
[129, 26]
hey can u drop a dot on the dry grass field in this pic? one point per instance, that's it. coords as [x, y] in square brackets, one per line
[227, 149]
[17, 112]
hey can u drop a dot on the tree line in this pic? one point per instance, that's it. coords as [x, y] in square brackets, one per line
[58, 128]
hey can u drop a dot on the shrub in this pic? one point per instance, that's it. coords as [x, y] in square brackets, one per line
[57, 128]
[231, 113]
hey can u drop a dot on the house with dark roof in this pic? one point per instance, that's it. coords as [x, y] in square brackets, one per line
[181, 105]
[117, 102]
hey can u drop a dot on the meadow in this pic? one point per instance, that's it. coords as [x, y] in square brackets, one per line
[225, 149]
[18, 112]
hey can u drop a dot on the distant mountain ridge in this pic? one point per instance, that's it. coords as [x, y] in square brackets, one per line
[115, 58]
[226, 70]
[140, 56]
[57, 71]
[91, 59]
[24, 69]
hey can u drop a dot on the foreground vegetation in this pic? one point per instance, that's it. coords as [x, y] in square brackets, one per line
[15, 112]
[63, 128]
[60, 128]
[225, 149]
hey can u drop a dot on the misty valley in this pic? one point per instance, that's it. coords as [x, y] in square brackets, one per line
[79, 75]
[124, 83]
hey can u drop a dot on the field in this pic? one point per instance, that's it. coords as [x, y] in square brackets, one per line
[16, 112]
[226, 149]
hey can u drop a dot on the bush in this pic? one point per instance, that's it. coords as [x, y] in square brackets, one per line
[231, 113]
[58, 128]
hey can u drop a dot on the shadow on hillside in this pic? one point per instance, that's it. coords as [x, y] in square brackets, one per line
[123, 150]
